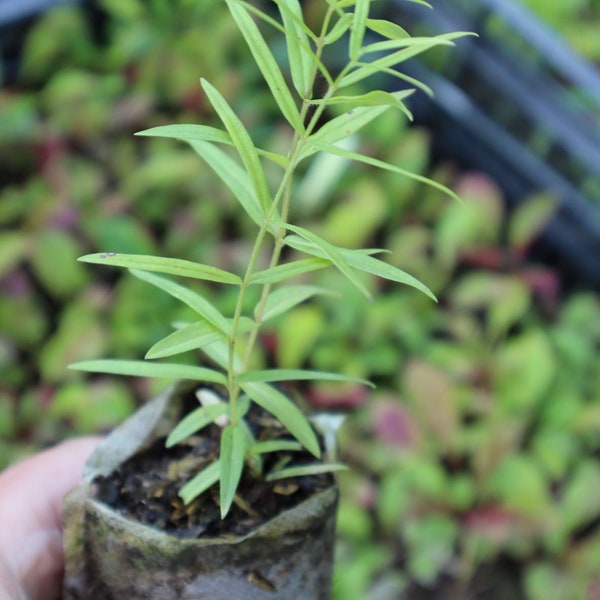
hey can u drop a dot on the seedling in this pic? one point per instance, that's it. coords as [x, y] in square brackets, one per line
[304, 99]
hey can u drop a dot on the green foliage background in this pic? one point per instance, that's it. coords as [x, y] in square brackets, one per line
[474, 462]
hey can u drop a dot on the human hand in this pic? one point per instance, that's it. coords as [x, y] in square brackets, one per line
[31, 494]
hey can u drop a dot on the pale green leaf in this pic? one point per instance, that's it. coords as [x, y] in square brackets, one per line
[289, 270]
[218, 352]
[190, 337]
[342, 127]
[361, 260]
[195, 421]
[397, 44]
[202, 306]
[283, 299]
[234, 177]
[286, 411]
[274, 375]
[267, 64]
[358, 27]
[298, 49]
[142, 368]
[189, 133]
[374, 162]
[323, 249]
[233, 449]
[243, 143]
[201, 482]
[341, 26]
[394, 58]
[275, 446]
[306, 470]
[157, 264]
[375, 98]
[387, 29]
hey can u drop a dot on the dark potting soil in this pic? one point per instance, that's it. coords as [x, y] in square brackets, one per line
[145, 487]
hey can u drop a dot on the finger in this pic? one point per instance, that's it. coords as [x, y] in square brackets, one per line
[31, 494]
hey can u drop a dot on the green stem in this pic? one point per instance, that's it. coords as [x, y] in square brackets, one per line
[282, 197]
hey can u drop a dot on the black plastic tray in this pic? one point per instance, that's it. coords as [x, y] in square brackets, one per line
[522, 106]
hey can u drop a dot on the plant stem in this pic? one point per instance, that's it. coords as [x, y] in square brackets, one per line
[281, 198]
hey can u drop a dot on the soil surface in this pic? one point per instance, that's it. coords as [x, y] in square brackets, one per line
[145, 487]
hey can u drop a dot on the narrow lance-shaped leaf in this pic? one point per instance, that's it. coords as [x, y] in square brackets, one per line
[304, 470]
[359, 25]
[283, 299]
[394, 58]
[266, 63]
[343, 126]
[298, 49]
[275, 446]
[195, 421]
[387, 29]
[243, 143]
[201, 482]
[189, 133]
[374, 162]
[288, 270]
[274, 375]
[361, 260]
[192, 299]
[141, 368]
[157, 264]
[233, 448]
[234, 177]
[329, 251]
[375, 98]
[286, 411]
[339, 29]
[191, 337]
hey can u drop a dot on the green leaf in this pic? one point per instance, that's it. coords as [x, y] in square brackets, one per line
[141, 368]
[234, 177]
[286, 411]
[195, 421]
[289, 270]
[374, 98]
[192, 336]
[219, 353]
[243, 143]
[284, 298]
[201, 482]
[342, 127]
[365, 70]
[324, 249]
[387, 29]
[157, 264]
[358, 28]
[233, 448]
[374, 162]
[361, 260]
[189, 337]
[298, 48]
[275, 446]
[273, 375]
[267, 64]
[189, 133]
[306, 470]
[204, 308]
[339, 29]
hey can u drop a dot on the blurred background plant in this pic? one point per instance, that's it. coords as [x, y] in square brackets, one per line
[474, 463]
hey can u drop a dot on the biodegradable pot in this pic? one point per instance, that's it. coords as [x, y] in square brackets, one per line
[110, 556]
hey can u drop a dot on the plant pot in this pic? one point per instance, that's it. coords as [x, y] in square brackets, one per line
[111, 556]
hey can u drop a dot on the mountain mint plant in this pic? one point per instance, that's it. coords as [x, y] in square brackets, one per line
[304, 95]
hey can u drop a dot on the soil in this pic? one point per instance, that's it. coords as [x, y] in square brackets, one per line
[145, 487]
